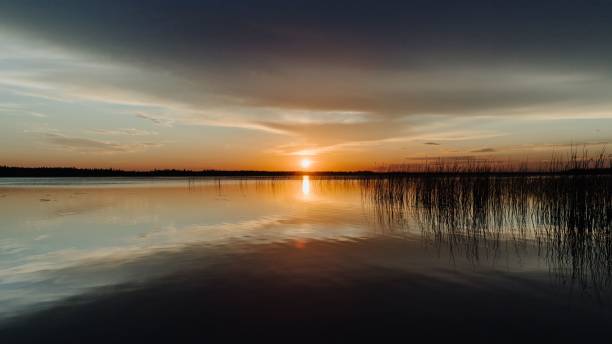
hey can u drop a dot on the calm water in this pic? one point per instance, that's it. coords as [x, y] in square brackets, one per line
[113, 260]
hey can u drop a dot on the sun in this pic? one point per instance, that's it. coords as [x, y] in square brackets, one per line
[305, 163]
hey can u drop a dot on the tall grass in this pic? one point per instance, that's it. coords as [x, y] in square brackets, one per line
[567, 209]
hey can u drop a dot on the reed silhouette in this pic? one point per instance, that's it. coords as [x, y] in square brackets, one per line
[472, 210]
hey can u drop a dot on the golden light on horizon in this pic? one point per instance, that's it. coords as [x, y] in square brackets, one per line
[305, 163]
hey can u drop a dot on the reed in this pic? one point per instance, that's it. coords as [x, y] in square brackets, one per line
[566, 208]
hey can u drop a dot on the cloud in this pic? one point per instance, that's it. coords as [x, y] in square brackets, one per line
[17, 109]
[371, 141]
[124, 131]
[451, 159]
[81, 144]
[334, 133]
[162, 121]
[598, 145]
[329, 76]
[346, 33]
[431, 143]
[484, 150]
[207, 55]
[458, 135]
[86, 145]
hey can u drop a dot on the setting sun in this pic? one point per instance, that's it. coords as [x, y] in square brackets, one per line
[305, 163]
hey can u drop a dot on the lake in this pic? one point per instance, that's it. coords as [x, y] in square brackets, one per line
[303, 259]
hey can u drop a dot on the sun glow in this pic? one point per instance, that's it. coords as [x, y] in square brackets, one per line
[305, 163]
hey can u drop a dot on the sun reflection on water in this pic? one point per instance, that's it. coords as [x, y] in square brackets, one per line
[305, 185]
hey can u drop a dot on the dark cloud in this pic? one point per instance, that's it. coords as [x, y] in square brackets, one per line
[431, 143]
[484, 150]
[392, 58]
[341, 32]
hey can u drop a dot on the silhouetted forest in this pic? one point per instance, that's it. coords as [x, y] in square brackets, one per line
[8, 171]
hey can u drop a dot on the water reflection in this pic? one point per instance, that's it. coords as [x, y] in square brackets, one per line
[271, 249]
[306, 186]
[568, 218]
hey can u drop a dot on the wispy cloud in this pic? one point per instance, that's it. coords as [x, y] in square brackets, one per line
[17, 110]
[159, 120]
[86, 145]
[458, 135]
[433, 160]
[295, 149]
[124, 131]
[597, 145]
[82, 144]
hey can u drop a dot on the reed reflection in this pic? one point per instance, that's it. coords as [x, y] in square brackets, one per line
[568, 218]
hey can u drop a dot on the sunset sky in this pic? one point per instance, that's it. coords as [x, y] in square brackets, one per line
[267, 84]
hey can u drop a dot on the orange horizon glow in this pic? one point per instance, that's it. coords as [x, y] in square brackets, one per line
[336, 162]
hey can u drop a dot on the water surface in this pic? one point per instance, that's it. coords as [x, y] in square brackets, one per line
[115, 259]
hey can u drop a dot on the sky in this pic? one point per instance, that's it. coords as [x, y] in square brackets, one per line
[348, 85]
